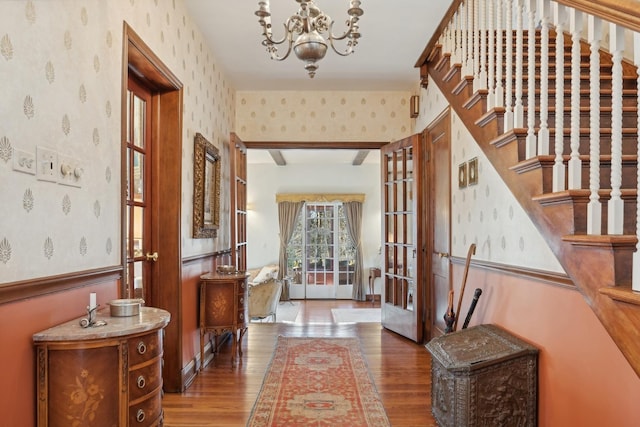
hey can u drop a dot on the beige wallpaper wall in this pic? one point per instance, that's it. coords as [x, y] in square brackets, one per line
[60, 79]
[485, 213]
[323, 116]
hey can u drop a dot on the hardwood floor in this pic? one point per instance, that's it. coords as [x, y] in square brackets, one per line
[224, 396]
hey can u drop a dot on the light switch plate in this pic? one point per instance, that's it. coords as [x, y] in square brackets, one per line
[70, 171]
[23, 161]
[47, 164]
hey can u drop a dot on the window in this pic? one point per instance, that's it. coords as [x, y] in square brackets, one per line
[321, 250]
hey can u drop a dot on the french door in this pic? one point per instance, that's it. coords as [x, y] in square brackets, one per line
[139, 242]
[238, 196]
[321, 255]
[403, 199]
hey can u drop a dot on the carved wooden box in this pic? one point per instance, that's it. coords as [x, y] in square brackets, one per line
[483, 376]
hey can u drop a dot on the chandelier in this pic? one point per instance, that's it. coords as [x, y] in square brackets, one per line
[304, 30]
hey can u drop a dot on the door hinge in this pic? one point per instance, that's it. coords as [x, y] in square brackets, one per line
[427, 155]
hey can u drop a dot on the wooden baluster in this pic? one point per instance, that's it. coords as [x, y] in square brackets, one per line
[491, 75]
[531, 142]
[559, 16]
[456, 33]
[468, 63]
[518, 108]
[499, 92]
[508, 112]
[594, 208]
[476, 44]
[615, 214]
[460, 33]
[544, 10]
[635, 285]
[482, 33]
[575, 164]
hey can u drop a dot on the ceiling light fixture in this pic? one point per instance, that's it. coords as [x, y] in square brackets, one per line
[303, 33]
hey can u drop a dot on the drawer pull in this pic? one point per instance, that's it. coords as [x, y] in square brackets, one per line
[241, 300]
[140, 416]
[242, 285]
[142, 348]
[241, 316]
[141, 382]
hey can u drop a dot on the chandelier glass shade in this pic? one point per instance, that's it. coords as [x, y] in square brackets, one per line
[309, 33]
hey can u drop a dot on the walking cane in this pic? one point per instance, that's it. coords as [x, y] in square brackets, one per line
[471, 251]
[476, 296]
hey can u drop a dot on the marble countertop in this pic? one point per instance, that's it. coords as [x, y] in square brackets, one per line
[224, 276]
[150, 318]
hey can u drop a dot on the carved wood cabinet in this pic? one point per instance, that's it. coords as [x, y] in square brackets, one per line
[483, 376]
[102, 376]
[223, 308]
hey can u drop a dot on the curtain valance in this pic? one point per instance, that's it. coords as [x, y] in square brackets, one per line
[320, 197]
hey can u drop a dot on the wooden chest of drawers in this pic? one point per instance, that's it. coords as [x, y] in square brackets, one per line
[102, 376]
[483, 376]
[223, 308]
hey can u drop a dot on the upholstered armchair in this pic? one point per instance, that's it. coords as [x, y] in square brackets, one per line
[263, 299]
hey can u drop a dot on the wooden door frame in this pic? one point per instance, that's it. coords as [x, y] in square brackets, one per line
[166, 141]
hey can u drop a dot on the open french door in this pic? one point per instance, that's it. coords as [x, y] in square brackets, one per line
[238, 196]
[403, 205]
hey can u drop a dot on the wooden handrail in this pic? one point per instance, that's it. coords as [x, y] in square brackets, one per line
[443, 24]
[622, 12]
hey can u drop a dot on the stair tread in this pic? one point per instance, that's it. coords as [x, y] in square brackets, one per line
[622, 294]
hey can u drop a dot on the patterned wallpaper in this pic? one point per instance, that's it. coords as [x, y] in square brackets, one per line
[485, 213]
[323, 116]
[60, 74]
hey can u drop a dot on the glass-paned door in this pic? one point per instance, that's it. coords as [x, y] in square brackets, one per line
[402, 303]
[238, 196]
[321, 255]
[138, 196]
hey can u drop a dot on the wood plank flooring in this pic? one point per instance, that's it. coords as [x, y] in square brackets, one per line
[224, 396]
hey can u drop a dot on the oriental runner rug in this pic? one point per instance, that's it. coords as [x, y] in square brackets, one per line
[318, 382]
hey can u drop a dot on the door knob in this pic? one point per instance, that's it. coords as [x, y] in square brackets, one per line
[152, 257]
[443, 255]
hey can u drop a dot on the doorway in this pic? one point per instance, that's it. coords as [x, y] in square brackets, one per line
[321, 255]
[162, 189]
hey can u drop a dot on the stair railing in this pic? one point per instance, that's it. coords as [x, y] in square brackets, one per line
[474, 33]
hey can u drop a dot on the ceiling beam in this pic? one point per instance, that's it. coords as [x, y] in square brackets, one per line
[359, 158]
[316, 145]
[277, 157]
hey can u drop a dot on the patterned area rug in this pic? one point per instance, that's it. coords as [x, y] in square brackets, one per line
[319, 382]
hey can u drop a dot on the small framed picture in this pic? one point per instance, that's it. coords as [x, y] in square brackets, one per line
[473, 171]
[462, 175]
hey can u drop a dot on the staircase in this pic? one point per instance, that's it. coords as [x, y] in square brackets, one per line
[557, 187]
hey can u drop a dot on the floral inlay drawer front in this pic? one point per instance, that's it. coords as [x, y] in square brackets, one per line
[145, 380]
[81, 387]
[144, 348]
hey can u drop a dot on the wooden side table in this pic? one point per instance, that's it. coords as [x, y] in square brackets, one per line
[223, 308]
[373, 273]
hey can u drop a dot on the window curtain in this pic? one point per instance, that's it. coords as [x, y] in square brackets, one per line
[287, 215]
[353, 211]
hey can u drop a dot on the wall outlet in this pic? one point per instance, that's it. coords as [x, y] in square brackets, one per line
[47, 164]
[70, 171]
[23, 161]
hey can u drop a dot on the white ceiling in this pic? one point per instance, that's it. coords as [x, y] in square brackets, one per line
[394, 34]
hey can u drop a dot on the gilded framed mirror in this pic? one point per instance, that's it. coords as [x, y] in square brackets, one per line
[206, 188]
